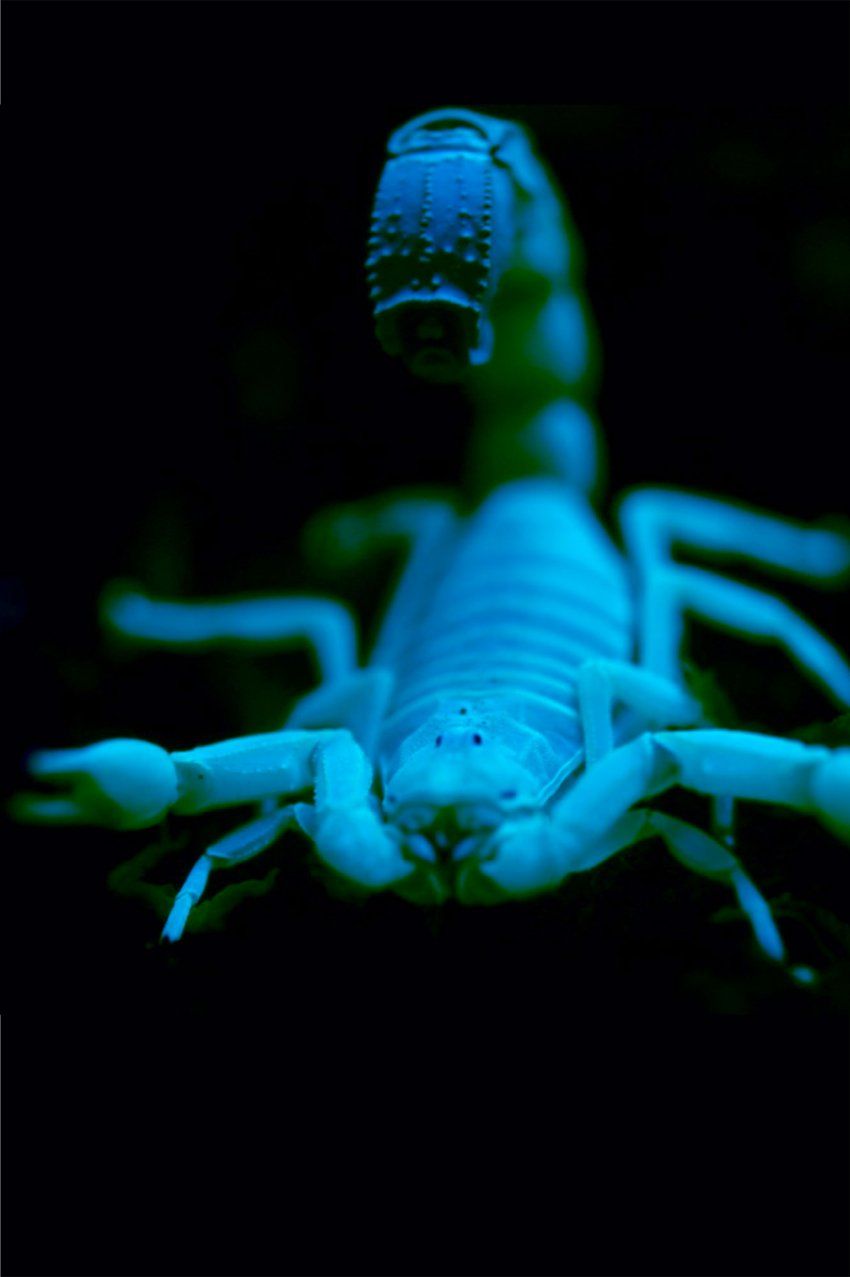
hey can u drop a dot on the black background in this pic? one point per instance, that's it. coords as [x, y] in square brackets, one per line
[193, 374]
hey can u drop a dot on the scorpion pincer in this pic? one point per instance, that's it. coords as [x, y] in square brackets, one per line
[525, 699]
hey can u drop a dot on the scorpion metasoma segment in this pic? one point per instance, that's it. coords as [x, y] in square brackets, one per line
[524, 699]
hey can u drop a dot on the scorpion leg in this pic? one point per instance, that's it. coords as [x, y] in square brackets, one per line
[357, 703]
[256, 622]
[351, 532]
[653, 519]
[658, 701]
[348, 533]
[674, 590]
[241, 844]
[715, 762]
[701, 854]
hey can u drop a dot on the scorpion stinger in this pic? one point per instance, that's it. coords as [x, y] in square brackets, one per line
[524, 701]
[475, 273]
[441, 239]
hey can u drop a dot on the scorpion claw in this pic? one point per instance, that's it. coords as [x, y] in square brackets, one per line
[124, 784]
[357, 844]
[526, 856]
[36, 809]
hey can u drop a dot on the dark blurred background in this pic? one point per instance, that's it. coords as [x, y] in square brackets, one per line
[194, 374]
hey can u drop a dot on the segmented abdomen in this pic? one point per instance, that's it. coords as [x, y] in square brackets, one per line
[532, 590]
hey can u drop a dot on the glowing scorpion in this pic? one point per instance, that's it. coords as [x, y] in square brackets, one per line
[524, 698]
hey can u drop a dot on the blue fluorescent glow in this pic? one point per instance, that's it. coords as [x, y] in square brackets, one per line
[526, 692]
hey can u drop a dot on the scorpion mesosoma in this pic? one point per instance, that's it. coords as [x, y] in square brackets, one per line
[524, 697]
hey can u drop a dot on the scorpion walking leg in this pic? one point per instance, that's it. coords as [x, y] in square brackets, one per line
[348, 533]
[357, 703]
[673, 591]
[235, 847]
[257, 622]
[653, 520]
[701, 854]
[129, 878]
[351, 532]
[658, 701]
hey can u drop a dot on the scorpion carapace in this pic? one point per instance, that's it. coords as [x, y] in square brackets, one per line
[524, 699]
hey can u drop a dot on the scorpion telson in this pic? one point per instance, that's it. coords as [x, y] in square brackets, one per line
[462, 200]
[435, 341]
[438, 245]
[475, 273]
[524, 701]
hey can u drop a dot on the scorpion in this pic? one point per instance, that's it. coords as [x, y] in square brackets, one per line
[525, 698]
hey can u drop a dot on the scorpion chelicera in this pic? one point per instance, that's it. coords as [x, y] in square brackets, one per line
[525, 696]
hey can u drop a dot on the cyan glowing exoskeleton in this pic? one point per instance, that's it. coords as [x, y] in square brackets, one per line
[524, 699]
[475, 273]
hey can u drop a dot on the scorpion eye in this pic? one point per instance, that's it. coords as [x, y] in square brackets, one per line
[476, 739]
[438, 742]
[508, 793]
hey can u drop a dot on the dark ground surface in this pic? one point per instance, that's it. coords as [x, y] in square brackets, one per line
[211, 379]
